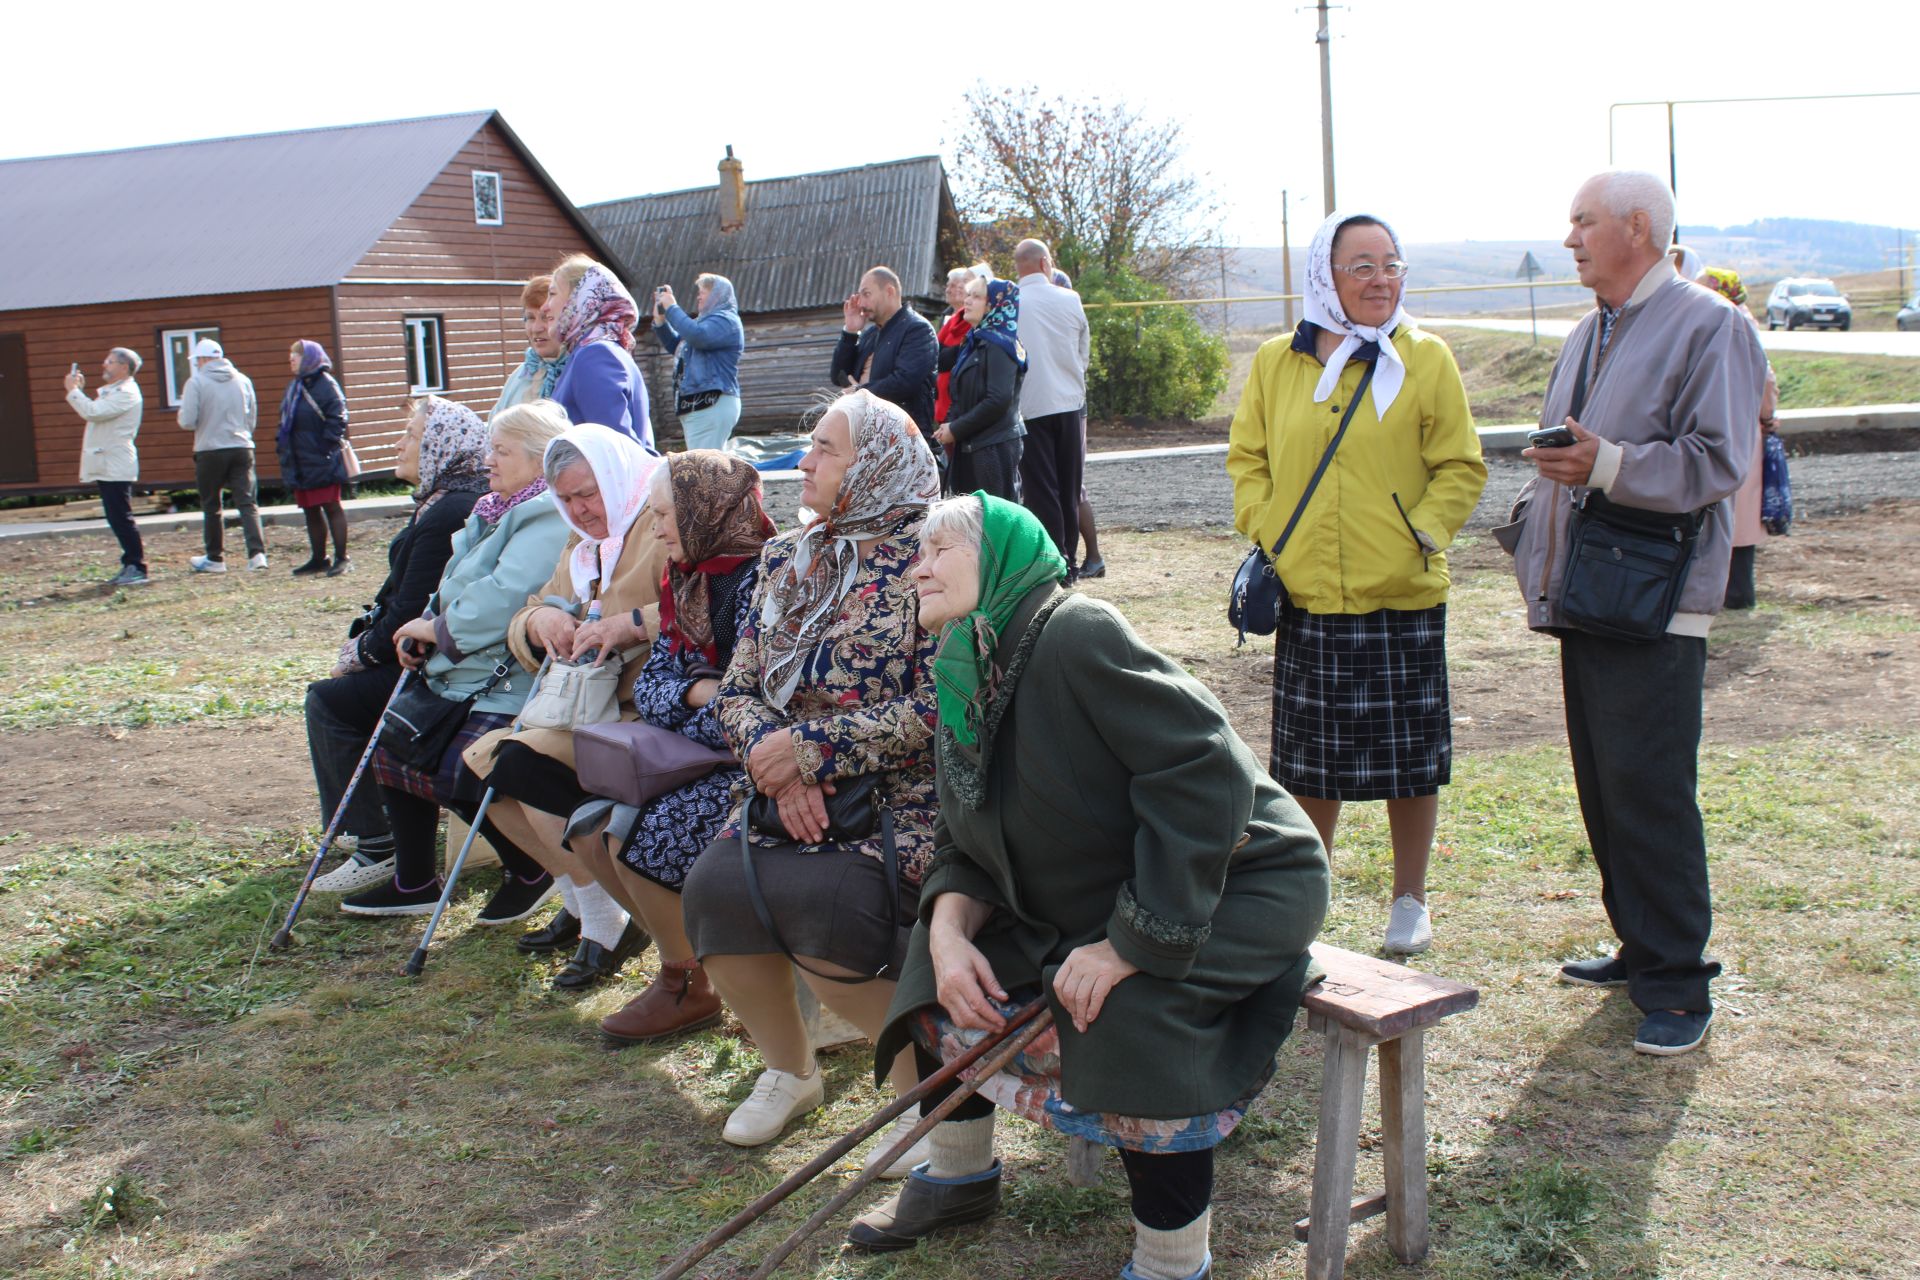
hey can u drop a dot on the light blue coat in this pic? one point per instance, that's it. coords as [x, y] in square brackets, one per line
[487, 581]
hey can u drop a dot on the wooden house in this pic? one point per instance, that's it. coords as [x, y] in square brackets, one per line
[400, 246]
[794, 249]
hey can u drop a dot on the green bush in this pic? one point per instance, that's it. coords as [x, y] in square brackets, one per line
[1148, 362]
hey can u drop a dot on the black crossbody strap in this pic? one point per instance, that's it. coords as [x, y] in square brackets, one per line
[1326, 460]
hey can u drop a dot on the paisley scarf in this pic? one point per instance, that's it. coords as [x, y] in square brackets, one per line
[718, 514]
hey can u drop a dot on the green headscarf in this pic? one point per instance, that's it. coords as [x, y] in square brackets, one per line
[1016, 555]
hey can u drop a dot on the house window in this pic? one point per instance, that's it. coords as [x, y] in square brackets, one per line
[176, 357]
[426, 354]
[487, 208]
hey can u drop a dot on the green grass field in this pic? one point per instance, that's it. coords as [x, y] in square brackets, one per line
[177, 1100]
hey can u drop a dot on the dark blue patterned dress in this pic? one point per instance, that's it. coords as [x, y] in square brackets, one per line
[673, 830]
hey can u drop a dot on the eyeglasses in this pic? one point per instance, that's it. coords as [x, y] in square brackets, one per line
[1364, 271]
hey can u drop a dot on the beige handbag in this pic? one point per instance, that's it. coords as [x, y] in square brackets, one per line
[571, 695]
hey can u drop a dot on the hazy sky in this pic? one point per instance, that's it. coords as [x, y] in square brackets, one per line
[1461, 120]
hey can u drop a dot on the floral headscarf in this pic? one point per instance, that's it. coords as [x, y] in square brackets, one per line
[1726, 283]
[598, 309]
[453, 451]
[1016, 555]
[1322, 307]
[718, 512]
[888, 485]
[622, 469]
[1000, 325]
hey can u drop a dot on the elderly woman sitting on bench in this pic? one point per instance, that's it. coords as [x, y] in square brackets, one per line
[1107, 843]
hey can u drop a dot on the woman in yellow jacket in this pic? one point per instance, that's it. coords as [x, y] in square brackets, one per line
[1360, 705]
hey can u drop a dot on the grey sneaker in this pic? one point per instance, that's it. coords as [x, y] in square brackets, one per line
[1409, 927]
[207, 564]
[129, 576]
[257, 561]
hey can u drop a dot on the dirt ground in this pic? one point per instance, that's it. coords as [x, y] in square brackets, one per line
[1819, 654]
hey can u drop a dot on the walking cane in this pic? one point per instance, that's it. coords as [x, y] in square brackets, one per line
[1025, 1027]
[418, 960]
[282, 938]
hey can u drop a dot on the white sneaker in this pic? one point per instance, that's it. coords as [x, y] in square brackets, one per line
[919, 1153]
[353, 875]
[1409, 928]
[777, 1097]
[206, 564]
[258, 561]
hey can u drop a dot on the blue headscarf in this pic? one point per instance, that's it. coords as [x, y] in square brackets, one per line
[1000, 326]
[313, 360]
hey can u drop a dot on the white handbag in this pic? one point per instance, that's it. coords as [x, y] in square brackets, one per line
[571, 695]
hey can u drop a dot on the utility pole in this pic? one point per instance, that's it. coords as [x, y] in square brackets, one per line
[1673, 172]
[1286, 260]
[1325, 41]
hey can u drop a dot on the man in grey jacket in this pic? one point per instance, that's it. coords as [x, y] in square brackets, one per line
[1660, 387]
[219, 407]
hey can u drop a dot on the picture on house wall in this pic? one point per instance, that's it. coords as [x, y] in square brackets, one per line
[487, 208]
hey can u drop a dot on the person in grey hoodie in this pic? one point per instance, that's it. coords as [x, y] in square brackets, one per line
[1660, 389]
[219, 407]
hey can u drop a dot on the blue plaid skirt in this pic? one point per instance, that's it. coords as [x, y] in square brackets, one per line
[1360, 704]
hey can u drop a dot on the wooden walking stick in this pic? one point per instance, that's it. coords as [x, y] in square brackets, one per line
[1034, 1019]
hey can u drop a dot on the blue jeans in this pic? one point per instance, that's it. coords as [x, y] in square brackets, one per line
[116, 498]
[710, 428]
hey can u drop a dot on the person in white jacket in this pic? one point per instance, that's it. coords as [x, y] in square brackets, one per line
[107, 454]
[218, 405]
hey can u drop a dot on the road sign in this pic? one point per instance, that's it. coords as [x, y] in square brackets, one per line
[1529, 267]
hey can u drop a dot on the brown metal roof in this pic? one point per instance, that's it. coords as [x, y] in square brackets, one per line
[807, 238]
[227, 215]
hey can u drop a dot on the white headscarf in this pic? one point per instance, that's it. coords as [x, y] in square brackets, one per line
[1689, 265]
[1322, 305]
[623, 470]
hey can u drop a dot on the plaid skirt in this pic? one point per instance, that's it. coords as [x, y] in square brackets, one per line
[1360, 704]
[452, 781]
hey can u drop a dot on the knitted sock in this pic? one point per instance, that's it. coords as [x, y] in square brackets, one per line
[1179, 1254]
[601, 918]
[961, 1147]
[569, 895]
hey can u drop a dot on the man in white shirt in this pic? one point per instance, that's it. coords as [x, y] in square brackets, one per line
[219, 407]
[107, 454]
[1053, 328]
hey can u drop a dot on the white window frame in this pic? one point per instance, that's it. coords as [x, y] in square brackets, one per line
[425, 336]
[172, 386]
[499, 199]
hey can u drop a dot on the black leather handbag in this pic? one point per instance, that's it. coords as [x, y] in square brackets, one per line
[852, 813]
[419, 725]
[1253, 602]
[1626, 567]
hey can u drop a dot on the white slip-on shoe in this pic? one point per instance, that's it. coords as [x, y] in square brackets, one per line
[777, 1098]
[353, 875]
[207, 564]
[919, 1153]
[257, 560]
[1409, 927]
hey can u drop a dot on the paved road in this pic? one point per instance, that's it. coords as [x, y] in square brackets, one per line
[1826, 341]
[1192, 492]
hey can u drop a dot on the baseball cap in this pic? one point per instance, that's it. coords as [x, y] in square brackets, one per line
[207, 349]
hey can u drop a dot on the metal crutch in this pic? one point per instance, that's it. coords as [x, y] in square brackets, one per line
[1019, 1032]
[285, 936]
[418, 960]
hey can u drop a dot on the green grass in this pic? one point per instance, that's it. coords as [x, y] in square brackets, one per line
[176, 1099]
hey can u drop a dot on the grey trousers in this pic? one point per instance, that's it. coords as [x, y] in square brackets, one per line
[1633, 727]
[217, 469]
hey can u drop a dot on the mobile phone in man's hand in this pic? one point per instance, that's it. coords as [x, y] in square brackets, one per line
[1551, 438]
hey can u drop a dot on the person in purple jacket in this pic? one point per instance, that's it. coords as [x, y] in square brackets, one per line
[593, 315]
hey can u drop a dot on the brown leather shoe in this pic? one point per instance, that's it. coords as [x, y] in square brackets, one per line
[680, 999]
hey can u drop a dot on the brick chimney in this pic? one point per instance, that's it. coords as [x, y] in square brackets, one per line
[733, 193]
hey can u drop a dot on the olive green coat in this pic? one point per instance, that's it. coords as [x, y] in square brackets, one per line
[1120, 804]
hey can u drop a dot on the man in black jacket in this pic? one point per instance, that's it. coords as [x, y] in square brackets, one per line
[888, 348]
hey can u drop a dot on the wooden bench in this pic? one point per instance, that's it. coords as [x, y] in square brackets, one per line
[1361, 1004]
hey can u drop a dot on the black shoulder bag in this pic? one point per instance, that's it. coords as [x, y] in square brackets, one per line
[1625, 565]
[419, 725]
[1253, 603]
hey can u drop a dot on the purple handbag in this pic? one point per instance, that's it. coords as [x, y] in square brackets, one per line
[636, 763]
